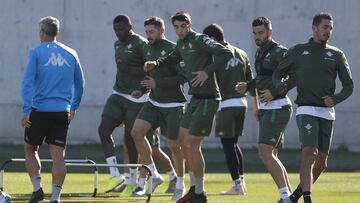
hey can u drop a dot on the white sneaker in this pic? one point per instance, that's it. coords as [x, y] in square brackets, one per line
[139, 192]
[178, 193]
[114, 182]
[4, 198]
[156, 182]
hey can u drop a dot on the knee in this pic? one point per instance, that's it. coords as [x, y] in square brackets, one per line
[30, 149]
[135, 134]
[321, 161]
[174, 146]
[102, 131]
[322, 166]
[310, 155]
[265, 154]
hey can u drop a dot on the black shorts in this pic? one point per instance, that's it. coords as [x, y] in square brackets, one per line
[51, 126]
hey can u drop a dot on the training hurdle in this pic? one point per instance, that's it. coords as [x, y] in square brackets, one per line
[83, 163]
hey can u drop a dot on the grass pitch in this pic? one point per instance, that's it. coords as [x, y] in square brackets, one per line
[78, 187]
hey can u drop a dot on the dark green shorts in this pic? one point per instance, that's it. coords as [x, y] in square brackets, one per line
[230, 122]
[272, 124]
[315, 132]
[199, 116]
[168, 119]
[121, 109]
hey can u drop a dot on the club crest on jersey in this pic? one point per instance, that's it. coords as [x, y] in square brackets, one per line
[329, 54]
[163, 52]
[190, 45]
[56, 60]
[308, 128]
[129, 46]
[148, 53]
[305, 53]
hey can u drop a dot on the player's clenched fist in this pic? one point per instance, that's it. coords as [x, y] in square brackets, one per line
[241, 87]
[149, 65]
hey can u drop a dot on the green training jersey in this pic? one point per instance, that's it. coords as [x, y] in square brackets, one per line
[169, 79]
[315, 68]
[237, 69]
[265, 66]
[200, 53]
[130, 52]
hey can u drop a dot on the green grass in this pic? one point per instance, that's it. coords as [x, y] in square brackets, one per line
[339, 160]
[331, 188]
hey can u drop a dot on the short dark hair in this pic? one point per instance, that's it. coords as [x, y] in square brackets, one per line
[181, 16]
[214, 31]
[122, 19]
[49, 25]
[155, 21]
[262, 21]
[320, 16]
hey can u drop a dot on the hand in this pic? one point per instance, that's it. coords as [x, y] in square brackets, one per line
[149, 83]
[136, 94]
[265, 96]
[329, 101]
[199, 79]
[119, 64]
[241, 87]
[149, 65]
[25, 122]
[71, 115]
[256, 114]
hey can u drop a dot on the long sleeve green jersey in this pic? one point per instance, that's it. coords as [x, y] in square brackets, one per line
[130, 52]
[237, 69]
[267, 60]
[316, 68]
[200, 53]
[170, 78]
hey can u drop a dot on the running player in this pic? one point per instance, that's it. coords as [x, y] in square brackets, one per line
[121, 107]
[315, 64]
[165, 106]
[231, 113]
[197, 51]
[275, 111]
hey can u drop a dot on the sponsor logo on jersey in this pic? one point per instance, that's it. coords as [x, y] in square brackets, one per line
[233, 62]
[56, 60]
[305, 53]
[209, 42]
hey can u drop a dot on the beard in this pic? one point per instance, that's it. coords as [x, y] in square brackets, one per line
[324, 38]
[260, 42]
